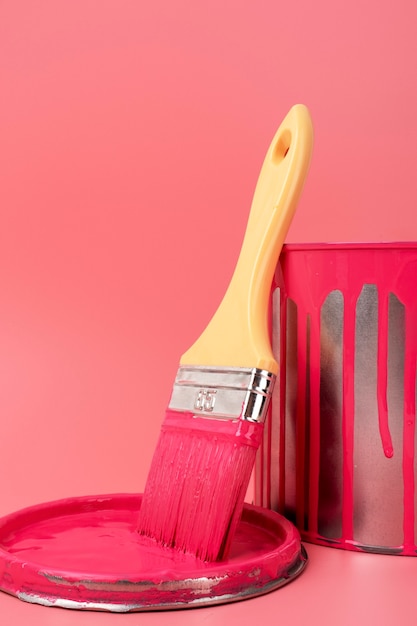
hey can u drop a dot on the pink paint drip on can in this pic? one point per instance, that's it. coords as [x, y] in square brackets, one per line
[339, 451]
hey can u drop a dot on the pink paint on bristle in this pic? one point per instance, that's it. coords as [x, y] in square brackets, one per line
[197, 483]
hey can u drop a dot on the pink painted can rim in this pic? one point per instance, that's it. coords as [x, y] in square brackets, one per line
[348, 245]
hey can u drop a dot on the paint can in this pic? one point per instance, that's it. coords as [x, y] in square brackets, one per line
[338, 455]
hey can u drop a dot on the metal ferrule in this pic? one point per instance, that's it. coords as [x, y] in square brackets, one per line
[216, 392]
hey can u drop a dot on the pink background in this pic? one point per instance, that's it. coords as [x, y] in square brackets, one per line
[131, 138]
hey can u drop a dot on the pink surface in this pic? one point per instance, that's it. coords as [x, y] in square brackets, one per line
[127, 128]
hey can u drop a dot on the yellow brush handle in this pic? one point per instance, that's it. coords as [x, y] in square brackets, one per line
[238, 335]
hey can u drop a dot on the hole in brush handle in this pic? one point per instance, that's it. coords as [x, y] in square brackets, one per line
[281, 147]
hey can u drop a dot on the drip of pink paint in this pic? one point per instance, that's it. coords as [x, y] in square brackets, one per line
[382, 367]
[405, 288]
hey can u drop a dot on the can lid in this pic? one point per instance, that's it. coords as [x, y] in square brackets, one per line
[85, 553]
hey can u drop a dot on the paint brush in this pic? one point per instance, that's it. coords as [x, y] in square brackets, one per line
[213, 426]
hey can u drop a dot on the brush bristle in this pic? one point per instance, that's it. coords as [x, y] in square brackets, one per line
[197, 483]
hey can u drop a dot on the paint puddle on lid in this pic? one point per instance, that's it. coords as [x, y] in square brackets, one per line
[84, 553]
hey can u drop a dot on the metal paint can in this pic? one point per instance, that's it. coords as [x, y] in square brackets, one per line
[338, 456]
